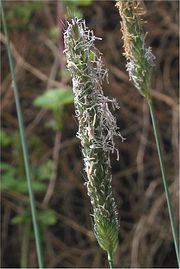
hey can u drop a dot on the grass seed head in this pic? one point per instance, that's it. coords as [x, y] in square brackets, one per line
[139, 58]
[97, 127]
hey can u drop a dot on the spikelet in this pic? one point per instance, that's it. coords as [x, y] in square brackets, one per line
[97, 126]
[139, 58]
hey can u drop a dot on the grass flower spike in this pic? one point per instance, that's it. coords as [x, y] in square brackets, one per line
[139, 58]
[97, 126]
[139, 65]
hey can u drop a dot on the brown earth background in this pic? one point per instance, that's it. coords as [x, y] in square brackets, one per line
[145, 238]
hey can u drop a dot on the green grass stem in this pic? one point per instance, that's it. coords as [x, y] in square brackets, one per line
[110, 260]
[24, 144]
[165, 183]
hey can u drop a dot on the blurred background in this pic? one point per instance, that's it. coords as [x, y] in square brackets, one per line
[36, 34]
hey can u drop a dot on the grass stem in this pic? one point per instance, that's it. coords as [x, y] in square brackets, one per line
[110, 260]
[164, 177]
[24, 144]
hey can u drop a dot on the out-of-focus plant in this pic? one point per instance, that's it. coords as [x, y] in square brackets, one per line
[55, 101]
[5, 139]
[23, 11]
[25, 153]
[73, 7]
[10, 181]
[13, 180]
[13, 177]
[46, 217]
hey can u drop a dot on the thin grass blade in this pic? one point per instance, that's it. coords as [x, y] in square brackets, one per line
[24, 145]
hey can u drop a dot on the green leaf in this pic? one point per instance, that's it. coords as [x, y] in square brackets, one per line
[72, 7]
[7, 167]
[23, 217]
[38, 186]
[5, 139]
[24, 10]
[10, 180]
[44, 171]
[18, 219]
[47, 217]
[7, 183]
[21, 186]
[84, 2]
[54, 33]
[8, 173]
[52, 124]
[54, 98]
[72, 3]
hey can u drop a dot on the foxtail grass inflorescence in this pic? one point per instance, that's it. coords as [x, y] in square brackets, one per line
[139, 65]
[97, 126]
[139, 58]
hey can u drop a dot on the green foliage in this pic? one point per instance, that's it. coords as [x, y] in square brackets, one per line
[43, 171]
[24, 10]
[53, 33]
[72, 7]
[8, 173]
[13, 176]
[54, 99]
[5, 139]
[23, 142]
[46, 217]
[79, 2]
[83, 2]
[11, 181]
[36, 148]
